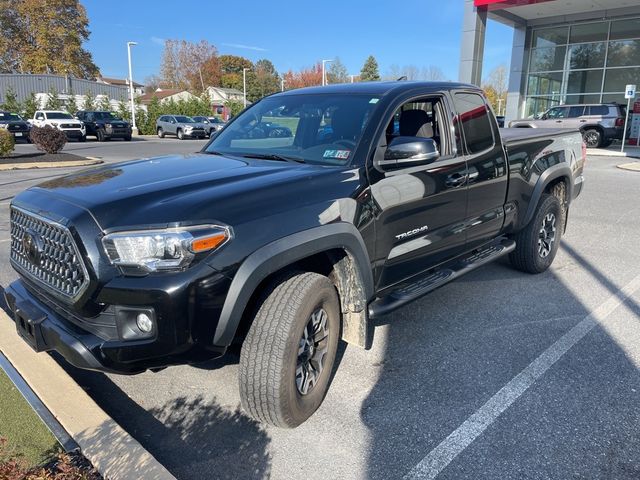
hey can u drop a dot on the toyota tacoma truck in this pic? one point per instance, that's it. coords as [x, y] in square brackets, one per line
[104, 125]
[285, 245]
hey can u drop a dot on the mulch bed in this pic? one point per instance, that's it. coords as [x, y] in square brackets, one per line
[41, 157]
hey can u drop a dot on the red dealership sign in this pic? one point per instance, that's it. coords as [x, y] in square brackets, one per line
[497, 4]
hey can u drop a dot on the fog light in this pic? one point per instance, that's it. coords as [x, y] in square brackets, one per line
[145, 324]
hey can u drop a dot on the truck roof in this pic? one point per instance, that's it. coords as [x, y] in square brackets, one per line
[377, 88]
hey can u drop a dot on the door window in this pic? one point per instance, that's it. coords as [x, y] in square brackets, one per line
[575, 112]
[474, 116]
[558, 112]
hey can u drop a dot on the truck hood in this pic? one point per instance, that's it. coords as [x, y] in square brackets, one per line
[197, 188]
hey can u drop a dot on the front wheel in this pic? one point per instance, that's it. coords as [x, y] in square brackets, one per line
[288, 355]
[180, 135]
[537, 244]
[160, 132]
[100, 136]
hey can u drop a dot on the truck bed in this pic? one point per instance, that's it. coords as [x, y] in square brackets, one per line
[516, 135]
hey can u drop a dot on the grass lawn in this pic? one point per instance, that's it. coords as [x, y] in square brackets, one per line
[27, 437]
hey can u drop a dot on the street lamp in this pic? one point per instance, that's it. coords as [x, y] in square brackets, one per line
[324, 76]
[244, 86]
[134, 128]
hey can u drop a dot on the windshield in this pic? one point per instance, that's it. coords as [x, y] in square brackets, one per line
[315, 128]
[7, 117]
[182, 119]
[58, 115]
[105, 116]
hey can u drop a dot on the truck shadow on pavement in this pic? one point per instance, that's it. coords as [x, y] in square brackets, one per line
[449, 353]
[193, 437]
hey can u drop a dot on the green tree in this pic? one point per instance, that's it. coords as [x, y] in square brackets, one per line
[104, 103]
[231, 67]
[53, 101]
[369, 70]
[70, 104]
[11, 102]
[234, 106]
[30, 106]
[89, 101]
[337, 72]
[45, 37]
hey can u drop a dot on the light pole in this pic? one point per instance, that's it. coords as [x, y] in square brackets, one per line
[352, 78]
[282, 84]
[324, 76]
[134, 128]
[244, 86]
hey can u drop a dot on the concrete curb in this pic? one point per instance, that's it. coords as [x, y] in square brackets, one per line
[25, 166]
[633, 166]
[600, 152]
[114, 453]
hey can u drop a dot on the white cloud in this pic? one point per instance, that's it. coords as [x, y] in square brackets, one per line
[245, 47]
[158, 41]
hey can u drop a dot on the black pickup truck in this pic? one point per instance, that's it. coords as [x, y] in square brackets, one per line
[104, 125]
[284, 245]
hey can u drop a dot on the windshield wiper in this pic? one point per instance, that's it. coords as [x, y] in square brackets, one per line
[273, 156]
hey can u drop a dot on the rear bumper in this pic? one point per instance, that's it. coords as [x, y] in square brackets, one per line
[614, 133]
[578, 183]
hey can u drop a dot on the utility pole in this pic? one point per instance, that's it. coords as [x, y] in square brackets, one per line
[244, 86]
[324, 75]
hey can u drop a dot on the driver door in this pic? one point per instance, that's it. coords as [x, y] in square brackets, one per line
[422, 209]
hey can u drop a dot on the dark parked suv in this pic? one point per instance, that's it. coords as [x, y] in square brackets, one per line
[15, 125]
[600, 124]
[105, 125]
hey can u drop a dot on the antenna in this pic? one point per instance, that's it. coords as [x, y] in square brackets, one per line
[402, 78]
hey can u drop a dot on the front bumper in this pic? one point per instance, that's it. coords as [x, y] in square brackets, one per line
[87, 344]
[118, 132]
[74, 133]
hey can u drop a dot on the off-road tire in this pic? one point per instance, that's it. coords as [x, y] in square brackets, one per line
[269, 354]
[160, 132]
[592, 137]
[526, 256]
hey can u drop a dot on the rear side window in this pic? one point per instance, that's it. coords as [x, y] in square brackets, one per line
[575, 112]
[598, 110]
[473, 116]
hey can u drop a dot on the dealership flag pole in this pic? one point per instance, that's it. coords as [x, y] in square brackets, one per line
[133, 108]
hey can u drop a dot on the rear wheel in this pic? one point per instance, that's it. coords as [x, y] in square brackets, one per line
[288, 355]
[592, 138]
[537, 244]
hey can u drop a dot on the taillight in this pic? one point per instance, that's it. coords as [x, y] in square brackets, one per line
[620, 122]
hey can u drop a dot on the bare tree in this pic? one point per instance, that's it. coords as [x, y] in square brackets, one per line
[410, 71]
[393, 72]
[188, 65]
[496, 87]
[432, 73]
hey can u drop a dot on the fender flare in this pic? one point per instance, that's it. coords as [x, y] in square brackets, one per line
[280, 253]
[550, 174]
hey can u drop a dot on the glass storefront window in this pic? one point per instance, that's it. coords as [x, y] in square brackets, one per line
[623, 53]
[584, 81]
[589, 32]
[625, 29]
[616, 79]
[545, 84]
[549, 37]
[614, 98]
[547, 59]
[587, 55]
[590, 98]
[538, 105]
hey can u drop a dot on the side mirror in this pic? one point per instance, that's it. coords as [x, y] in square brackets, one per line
[403, 152]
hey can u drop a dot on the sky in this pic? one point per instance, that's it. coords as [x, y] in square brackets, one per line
[292, 34]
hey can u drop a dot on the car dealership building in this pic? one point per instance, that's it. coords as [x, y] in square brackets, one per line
[564, 51]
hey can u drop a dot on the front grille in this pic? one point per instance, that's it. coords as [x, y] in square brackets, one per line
[69, 125]
[45, 251]
[16, 127]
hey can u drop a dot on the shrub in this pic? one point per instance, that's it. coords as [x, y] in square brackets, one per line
[48, 139]
[7, 143]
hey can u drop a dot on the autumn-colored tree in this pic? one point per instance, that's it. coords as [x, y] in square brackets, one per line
[307, 77]
[231, 67]
[190, 66]
[369, 70]
[495, 88]
[45, 37]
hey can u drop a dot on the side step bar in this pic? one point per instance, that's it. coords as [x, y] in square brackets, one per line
[408, 291]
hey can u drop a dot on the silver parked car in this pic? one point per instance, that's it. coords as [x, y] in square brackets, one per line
[211, 124]
[181, 126]
[600, 124]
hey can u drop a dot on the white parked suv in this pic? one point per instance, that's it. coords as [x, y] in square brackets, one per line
[62, 121]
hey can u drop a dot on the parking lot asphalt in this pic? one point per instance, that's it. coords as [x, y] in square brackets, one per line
[499, 374]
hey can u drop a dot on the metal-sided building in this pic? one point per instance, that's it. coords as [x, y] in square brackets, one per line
[564, 51]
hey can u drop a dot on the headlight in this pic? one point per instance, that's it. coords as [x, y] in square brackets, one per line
[188, 127]
[162, 250]
[3, 125]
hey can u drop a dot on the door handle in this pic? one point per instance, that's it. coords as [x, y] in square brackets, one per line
[583, 121]
[558, 121]
[456, 179]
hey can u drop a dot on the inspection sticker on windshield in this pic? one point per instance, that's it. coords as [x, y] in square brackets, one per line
[341, 154]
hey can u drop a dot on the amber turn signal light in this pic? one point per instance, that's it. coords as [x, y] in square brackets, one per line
[204, 244]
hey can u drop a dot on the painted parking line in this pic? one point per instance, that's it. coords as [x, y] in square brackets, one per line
[441, 456]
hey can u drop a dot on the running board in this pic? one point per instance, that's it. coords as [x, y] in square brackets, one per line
[410, 290]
